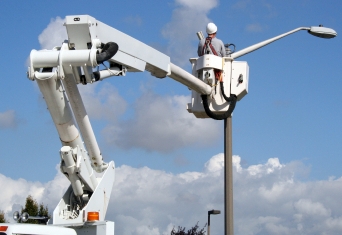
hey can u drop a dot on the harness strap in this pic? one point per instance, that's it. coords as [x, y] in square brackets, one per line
[208, 45]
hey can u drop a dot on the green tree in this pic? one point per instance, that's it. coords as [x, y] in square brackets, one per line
[43, 211]
[193, 231]
[2, 217]
[33, 209]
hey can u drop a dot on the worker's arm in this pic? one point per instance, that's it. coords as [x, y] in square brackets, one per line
[222, 49]
[200, 47]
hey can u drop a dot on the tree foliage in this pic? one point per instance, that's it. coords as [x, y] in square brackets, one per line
[33, 209]
[193, 231]
[2, 217]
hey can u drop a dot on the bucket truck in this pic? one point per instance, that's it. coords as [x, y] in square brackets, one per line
[58, 71]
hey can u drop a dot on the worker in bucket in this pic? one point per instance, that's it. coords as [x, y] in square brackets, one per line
[211, 44]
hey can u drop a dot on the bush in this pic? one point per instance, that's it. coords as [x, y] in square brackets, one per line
[2, 217]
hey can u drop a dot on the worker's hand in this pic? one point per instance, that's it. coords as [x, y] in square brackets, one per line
[218, 75]
[221, 77]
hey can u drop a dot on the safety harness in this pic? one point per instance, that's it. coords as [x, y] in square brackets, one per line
[209, 49]
[207, 45]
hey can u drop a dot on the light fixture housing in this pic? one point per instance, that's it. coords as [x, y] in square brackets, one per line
[214, 212]
[16, 216]
[24, 217]
[322, 32]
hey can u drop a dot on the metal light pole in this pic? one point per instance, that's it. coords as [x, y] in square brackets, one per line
[212, 212]
[321, 32]
[228, 177]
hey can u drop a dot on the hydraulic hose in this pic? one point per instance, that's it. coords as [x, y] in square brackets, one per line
[232, 99]
[108, 51]
[228, 99]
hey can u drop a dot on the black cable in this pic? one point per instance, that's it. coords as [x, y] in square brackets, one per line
[232, 99]
[108, 51]
[228, 99]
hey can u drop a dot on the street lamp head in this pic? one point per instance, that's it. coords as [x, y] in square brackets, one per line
[214, 212]
[322, 32]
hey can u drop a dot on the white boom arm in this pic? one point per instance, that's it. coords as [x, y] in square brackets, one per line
[85, 31]
[58, 71]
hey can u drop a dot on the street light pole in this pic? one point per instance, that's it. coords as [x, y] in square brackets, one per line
[212, 212]
[228, 178]
[319, 31]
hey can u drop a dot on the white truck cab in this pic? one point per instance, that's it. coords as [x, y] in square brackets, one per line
[34, 229]
[96, 227]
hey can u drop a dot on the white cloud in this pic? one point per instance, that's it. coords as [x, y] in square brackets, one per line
[256, 27]
[134, 20]
[162, 116]
[14, 192]
[104, 102]
[188, 18]
[307, 207]
[166, 118]
[242, 4]
[8, 119]
[198, 6]
[146, 201]
[256, 11]
[53, 35]
[271, 165]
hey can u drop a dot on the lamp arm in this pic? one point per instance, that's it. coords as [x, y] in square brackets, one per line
[264, 43]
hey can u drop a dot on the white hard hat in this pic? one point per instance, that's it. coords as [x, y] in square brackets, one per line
[211, 28]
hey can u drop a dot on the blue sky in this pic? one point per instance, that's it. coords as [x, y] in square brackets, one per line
[292, 112]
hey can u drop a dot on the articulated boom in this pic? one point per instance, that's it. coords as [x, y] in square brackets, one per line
[58, 71]
[78, 159]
